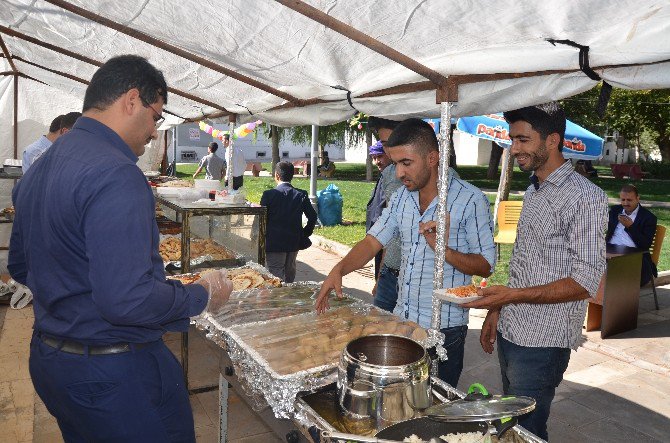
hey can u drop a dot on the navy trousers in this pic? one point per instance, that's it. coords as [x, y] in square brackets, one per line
[136, 396]
[454, 342]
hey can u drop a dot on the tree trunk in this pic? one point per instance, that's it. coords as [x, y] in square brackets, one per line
[368, 159]
[504, 195]
[663, 143]
[275, 147]
[494, 161]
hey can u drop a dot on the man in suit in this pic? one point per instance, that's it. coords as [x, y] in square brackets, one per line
[285, 233]
[632, 225]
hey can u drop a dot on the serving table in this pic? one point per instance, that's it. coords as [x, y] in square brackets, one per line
[239, 227]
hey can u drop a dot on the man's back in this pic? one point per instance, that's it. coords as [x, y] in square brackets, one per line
[34, 151]
[214, 166]
[285, 208]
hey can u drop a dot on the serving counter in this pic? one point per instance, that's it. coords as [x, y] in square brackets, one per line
[282, 359]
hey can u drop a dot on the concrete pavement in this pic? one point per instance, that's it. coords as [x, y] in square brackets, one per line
[615, 389]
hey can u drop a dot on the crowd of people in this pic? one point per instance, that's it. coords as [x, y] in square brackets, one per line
[102, 302]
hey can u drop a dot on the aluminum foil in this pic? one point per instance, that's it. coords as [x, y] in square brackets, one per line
[260, 380]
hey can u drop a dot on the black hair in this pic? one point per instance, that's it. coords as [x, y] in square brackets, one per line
[226, 136]
[628, 188]
[284, 171]
[121, 74]
[55, 124]
[415, 132]
[546, 119]
[377, 123]
[69, 120]
[213, 146]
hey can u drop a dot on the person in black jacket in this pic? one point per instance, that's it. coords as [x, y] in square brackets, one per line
[632, 225]
[285, 233]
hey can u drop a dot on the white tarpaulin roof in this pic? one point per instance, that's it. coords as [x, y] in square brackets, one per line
[291, 59]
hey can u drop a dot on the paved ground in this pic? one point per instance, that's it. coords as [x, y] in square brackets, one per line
[615, 390]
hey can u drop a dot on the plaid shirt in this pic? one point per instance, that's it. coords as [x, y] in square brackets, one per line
[561, 233]
[471, 232]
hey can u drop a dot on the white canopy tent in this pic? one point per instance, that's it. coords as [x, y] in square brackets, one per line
[290, 62]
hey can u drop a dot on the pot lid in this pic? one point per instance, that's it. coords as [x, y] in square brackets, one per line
[479, 405]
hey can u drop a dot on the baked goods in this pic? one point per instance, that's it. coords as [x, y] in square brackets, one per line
[176, 184]
[242, 278]
[307, 341]
[186, 279]
[170, 249]
[247, 278]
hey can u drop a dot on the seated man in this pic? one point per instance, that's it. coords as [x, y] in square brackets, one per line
[632, 225]
[327, 167]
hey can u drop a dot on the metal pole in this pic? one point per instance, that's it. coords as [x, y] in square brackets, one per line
[229, 154]
[442, 194]
[314, 155]
[174, 152]
[16, 116]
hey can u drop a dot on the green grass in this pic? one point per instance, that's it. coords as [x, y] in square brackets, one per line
[350, 178]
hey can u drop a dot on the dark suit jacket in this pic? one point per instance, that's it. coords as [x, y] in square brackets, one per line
[642, 233]
[285, 208]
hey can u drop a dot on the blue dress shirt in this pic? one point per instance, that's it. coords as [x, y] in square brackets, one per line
[470, 232]
[85, 241]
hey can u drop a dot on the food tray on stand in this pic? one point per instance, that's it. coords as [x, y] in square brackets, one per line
[277, 358]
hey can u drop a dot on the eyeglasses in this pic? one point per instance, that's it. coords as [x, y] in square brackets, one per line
[159, 119]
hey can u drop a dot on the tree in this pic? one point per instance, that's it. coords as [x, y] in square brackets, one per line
[631, 113]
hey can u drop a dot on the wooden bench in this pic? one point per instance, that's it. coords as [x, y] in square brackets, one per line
[302, 167]
[632, 171]
[255, 168]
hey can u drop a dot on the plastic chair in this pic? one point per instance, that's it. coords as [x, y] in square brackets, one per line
[655, 254]
[508, 219]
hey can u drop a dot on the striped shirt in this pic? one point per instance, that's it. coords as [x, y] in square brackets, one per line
[470, 232]
[561, 233]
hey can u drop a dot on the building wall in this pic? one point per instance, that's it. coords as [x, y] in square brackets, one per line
[192, 146]
[611, 154]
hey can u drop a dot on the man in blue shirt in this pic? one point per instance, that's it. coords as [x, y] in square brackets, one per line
[85, 242]
[411, 214]
[59, 126]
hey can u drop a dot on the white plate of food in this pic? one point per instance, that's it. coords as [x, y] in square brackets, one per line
[459, 294]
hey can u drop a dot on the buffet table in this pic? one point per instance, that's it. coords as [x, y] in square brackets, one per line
[283, 359]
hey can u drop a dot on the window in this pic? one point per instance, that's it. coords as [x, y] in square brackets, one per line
[188, 155]
[284, 154]
[308, 154]
[260, 154]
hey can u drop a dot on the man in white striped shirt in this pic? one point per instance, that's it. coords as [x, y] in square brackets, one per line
[557, 262]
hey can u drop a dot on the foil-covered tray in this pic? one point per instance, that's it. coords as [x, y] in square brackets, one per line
[277, 358]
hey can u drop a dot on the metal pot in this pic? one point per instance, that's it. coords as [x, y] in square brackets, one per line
[384, 377]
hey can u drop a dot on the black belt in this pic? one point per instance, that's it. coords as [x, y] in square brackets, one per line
[73, 347]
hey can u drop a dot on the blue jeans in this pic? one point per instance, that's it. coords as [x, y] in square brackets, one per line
[387, 289]
[532, 372]
[135, 396]
[450, 370]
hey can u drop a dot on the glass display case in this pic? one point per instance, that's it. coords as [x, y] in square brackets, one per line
[233, 234]
[208, 235]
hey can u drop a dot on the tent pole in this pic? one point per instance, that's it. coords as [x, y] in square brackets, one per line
[314, 153]
[229, 154]
[16, 116]
[442, 194]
